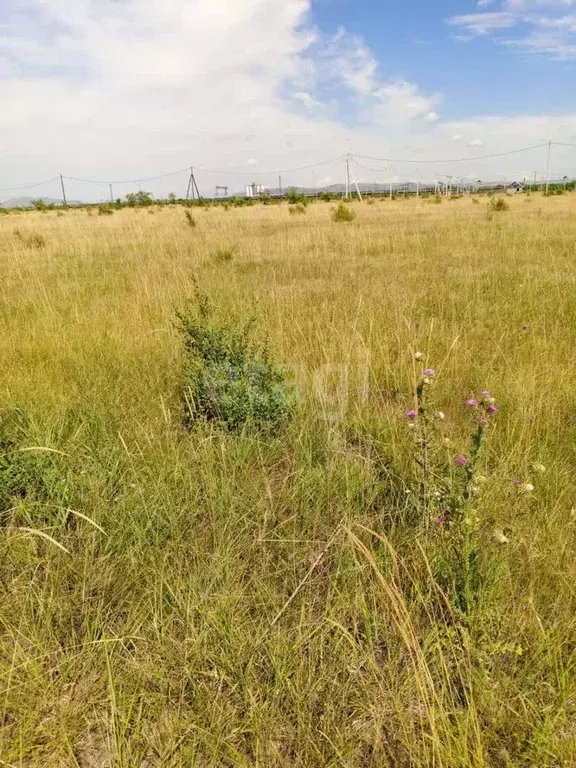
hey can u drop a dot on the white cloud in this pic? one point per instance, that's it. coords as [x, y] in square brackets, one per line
[516, 5]
[476, 143]
[551, 36]
[457, 137]
[347, 60]
[548, 33]
[481, 23]
[551, 45]
[106, 89]
[566, 23]
[400, 102]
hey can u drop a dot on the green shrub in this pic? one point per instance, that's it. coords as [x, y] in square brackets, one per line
[299, 208]
[227, 378]
[37, 475]
[294, 197]
[105, 209]
[343, 213]
[137, 199]
[40, 205]
[498, 204]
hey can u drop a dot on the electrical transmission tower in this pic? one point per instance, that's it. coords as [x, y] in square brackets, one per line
[192, 190]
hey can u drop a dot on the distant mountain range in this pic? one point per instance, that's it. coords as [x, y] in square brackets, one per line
[334, 189]
[26, 202]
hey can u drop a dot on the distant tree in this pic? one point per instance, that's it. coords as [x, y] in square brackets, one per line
[293, 196]
[39, 205]
[139, 198]
[171, 197]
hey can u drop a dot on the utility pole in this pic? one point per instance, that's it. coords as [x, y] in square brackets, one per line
[417, 189]
[280, 184]
[347, 177]
[548, 168]
[64, 203]
[390, 190]
[192, 187]
[111, 194]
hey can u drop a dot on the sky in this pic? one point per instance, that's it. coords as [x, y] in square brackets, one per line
[123, 90]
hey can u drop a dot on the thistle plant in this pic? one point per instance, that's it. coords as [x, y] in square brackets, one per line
[449, 486]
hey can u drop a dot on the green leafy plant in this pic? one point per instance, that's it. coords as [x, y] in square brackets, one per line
[105, 209]
[343, 213]
[294, 197]
[41, 205]
[138, 199]
[228, 379]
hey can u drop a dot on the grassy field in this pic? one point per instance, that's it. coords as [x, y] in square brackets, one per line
[198, 598]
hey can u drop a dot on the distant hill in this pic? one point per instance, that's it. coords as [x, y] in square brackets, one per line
[26, 202]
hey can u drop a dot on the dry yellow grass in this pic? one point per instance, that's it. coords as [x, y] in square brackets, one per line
[155, 644]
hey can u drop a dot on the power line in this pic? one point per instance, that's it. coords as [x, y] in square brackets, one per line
[250, 172]
[29, 186]
[454, 160]
[129, 181]
[371, 170]
[246, 172]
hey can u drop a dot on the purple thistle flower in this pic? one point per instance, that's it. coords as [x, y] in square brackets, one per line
[438, 521]
[492, 409]
[411, 415]
[485, 394]
[517, 482]
[472, 402]
[430, 373]
[463, 461]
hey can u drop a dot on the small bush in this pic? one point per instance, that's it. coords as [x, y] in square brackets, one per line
[498, 204]
[41, 205]
[137, 199]
[224, 255]
[343, 213]
[294, 197]
[228, 379]
[299, 208]
[36, 475]
[191, 221]
[33, 240]
[105, 209]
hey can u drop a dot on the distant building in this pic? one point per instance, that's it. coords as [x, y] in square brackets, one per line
[254, 190]
[514, 188]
